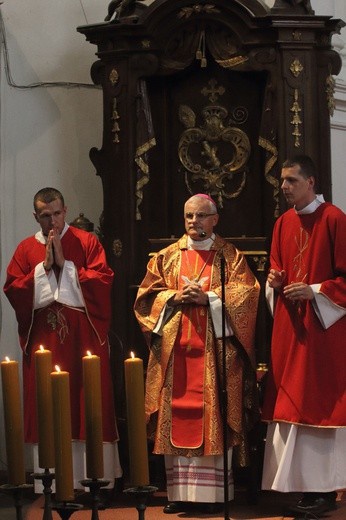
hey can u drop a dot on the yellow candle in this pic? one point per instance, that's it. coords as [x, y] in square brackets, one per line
[62, 435]
[43, 369]
[14, 432]
[136, 427]
[93, 416]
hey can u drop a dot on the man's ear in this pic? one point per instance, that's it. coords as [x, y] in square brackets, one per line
[216, 219]
[312, 181]
[35, 216]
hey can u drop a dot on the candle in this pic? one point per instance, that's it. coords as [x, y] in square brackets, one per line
[44, 402]
[14, 432]
[136, 427]
[93, 416]
[62, 435]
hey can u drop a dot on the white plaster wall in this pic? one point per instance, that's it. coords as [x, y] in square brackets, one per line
[46, 132]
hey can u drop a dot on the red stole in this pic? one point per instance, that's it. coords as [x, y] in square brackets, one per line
[189, 350]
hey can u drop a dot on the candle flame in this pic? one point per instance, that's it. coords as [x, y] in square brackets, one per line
[57, 368]
[89, 353]
[7, 359]
[42, 348]
[132, 354]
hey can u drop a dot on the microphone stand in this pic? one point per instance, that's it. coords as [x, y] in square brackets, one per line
[224, 390]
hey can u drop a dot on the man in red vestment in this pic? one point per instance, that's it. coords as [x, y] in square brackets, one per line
[59, 284]
[305, 401]
[178, 307]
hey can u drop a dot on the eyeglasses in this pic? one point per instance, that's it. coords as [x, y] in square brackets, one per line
[199, 215]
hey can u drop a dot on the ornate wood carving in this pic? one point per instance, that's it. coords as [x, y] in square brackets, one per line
[205, 66]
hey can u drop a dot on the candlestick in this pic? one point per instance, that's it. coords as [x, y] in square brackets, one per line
[43, 369]
[17, 494]
[66, 509]
[141, 494]
[62, 435]
[93, 416]
[136, 426]
[47, 478]
[95, 484]
[14, 432]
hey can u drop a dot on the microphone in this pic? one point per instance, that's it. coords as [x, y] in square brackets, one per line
[202, 234]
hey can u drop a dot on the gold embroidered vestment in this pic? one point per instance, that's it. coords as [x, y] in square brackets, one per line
[241, 298]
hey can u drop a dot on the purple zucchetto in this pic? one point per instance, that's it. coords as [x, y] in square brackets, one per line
[205, 196]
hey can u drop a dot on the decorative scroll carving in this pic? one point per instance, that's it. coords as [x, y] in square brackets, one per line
[296, 67]
[145, 141]
[239, 116]
[213, 153]
[268, 141]
[271, 149]
[296, 121]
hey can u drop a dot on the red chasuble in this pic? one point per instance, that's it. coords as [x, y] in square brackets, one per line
[307, 381]
[189, 350]
[68, 332]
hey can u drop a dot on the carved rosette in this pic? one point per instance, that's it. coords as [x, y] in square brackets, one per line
[296, 68]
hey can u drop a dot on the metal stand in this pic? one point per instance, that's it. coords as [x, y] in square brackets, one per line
[141, 494]
[94, 485]
[16, 492]
[47, 477]
[66, 509]
[224, 392]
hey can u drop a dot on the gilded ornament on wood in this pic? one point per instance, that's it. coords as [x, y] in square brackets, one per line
[330, 89]
[296, 121]
[214, 152]
[114, 77]
[296, 67]
[117, 247]
[115, 117]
